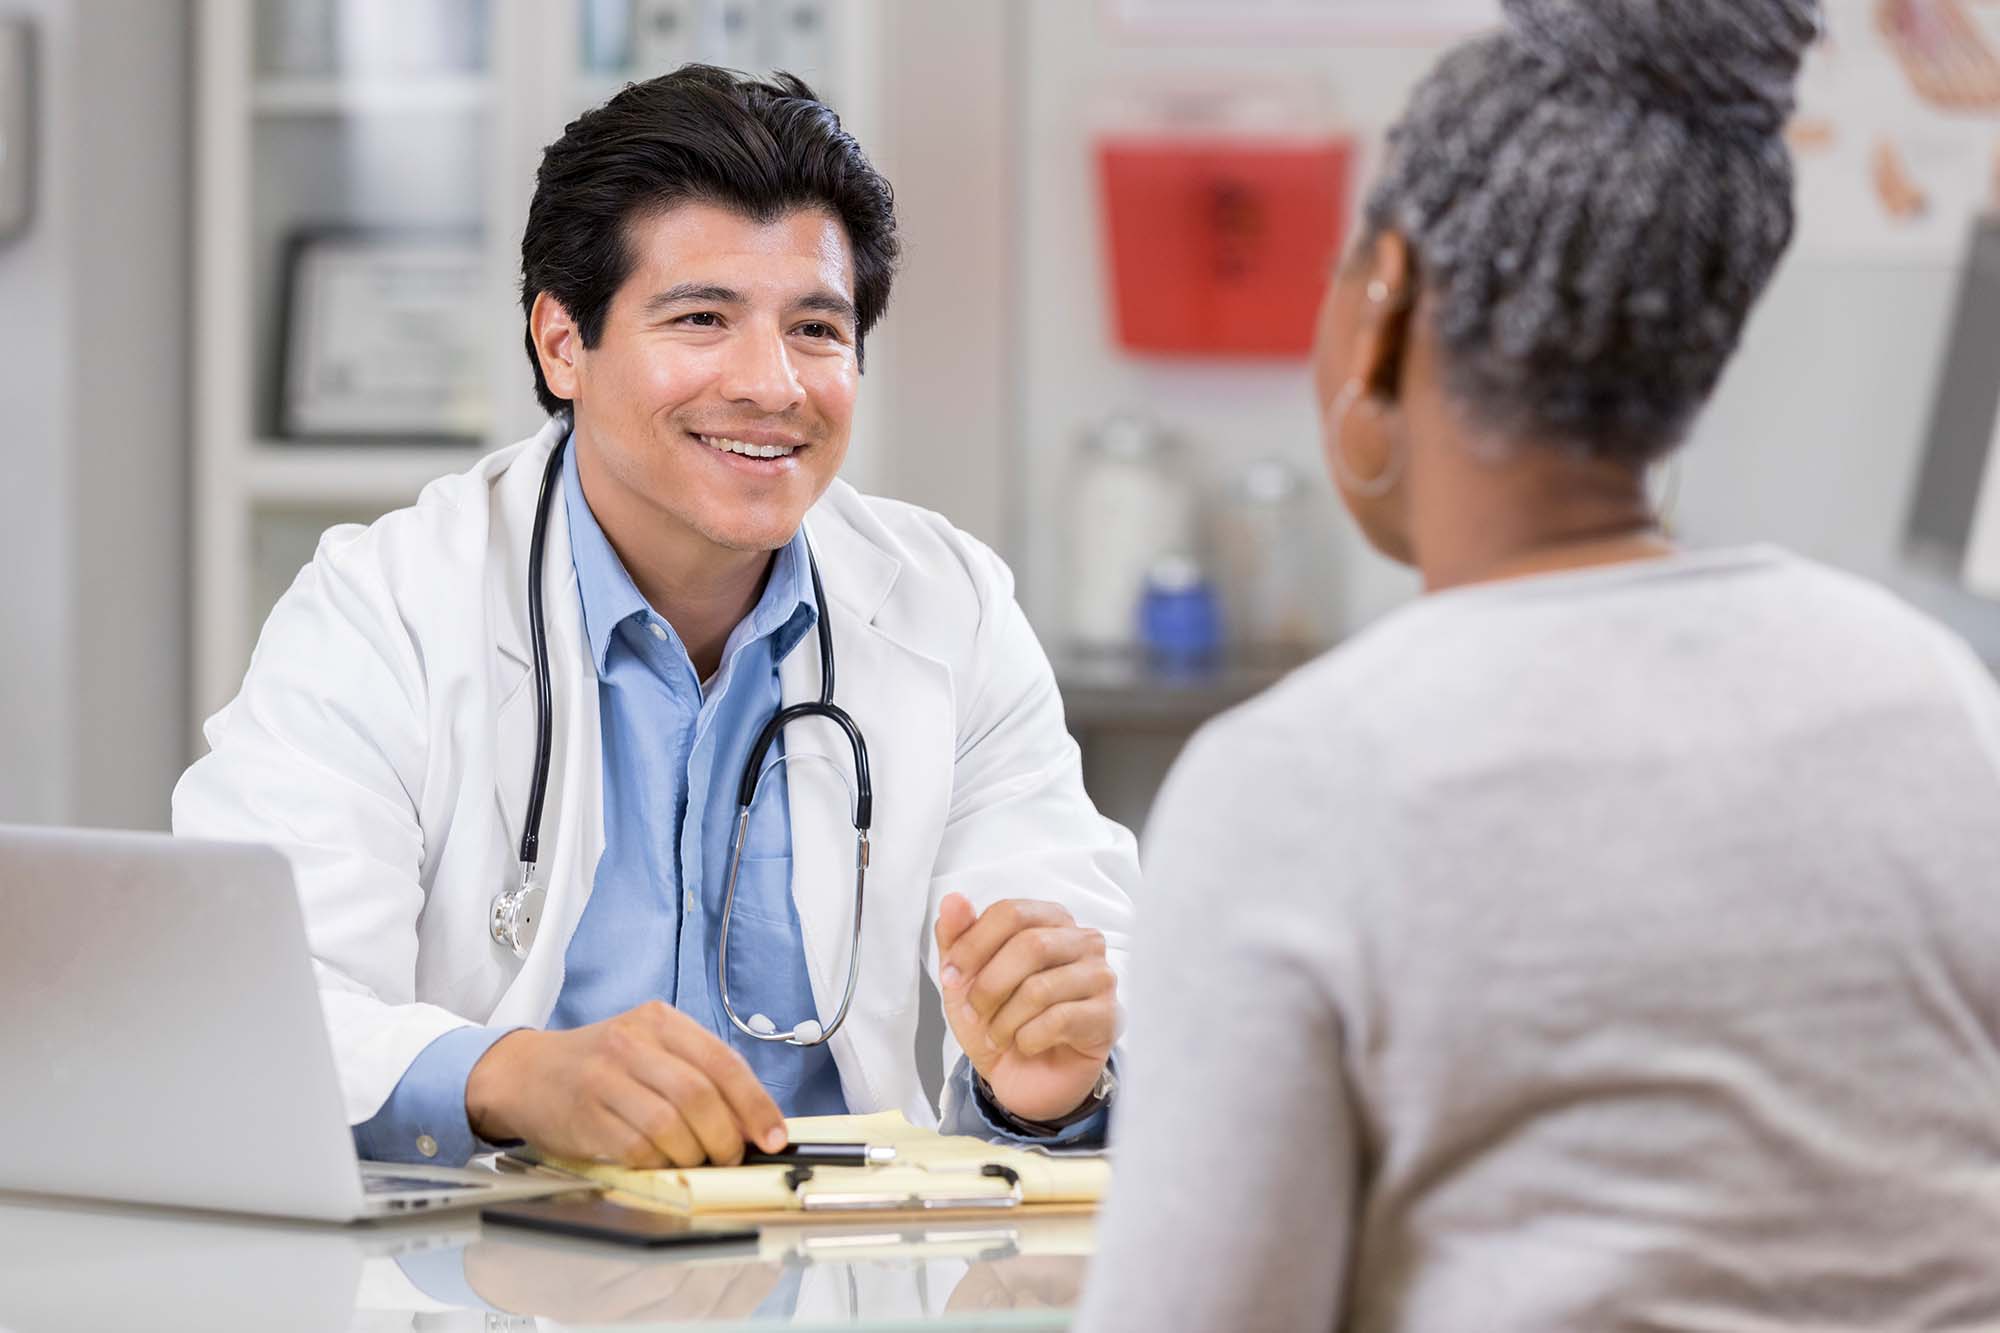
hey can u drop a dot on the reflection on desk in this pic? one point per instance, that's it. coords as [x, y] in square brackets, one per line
[67, 1266]
[101, 1266]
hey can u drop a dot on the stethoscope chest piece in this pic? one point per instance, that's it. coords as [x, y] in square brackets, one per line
[517, 915]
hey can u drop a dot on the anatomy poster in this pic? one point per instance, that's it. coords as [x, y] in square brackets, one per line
[1897, 138]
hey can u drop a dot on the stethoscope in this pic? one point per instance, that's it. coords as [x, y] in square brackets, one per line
[517, 912]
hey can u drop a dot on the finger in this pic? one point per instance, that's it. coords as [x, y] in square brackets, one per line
[603, 1136]
[995, 926]
[700, 1104]
[657, 1120]
[638, 1048]
[1080, 980]
[758, 1119]
[1036, 949]
[1087, 1026]
[955, 915]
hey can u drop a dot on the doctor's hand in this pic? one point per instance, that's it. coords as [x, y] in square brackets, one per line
[1031, 999]
[648, 1088]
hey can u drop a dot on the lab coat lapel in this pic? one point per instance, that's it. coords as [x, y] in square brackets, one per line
[572, 828]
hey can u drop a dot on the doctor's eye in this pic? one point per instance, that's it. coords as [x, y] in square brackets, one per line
[819, 329]
[701, 319]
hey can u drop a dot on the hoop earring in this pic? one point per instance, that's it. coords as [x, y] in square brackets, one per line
[1370, 488]
[1670, 500]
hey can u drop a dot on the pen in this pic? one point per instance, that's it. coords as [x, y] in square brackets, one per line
[822, 1154]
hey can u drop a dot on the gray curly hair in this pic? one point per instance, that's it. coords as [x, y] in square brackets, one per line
[1596, 195]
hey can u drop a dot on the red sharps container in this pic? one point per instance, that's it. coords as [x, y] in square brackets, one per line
[1219, 244]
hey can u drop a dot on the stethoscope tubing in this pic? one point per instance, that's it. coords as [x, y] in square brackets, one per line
[746, 792]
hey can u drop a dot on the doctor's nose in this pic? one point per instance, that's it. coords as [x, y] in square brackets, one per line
[759, 373]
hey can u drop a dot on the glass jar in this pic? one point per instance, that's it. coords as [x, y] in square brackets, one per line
[1262, 558]
[1129, 506]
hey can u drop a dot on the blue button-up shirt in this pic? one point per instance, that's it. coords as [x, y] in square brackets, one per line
[674, 748]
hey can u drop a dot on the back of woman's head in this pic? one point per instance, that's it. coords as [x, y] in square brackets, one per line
[1596, 196]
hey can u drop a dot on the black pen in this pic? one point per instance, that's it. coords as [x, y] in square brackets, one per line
[821, 1154]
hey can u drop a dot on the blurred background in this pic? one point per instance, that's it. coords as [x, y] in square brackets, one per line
[258, 264]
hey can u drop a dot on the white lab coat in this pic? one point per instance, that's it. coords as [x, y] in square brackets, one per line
[384, 736]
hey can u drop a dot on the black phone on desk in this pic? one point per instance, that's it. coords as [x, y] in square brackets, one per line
[597, 1218]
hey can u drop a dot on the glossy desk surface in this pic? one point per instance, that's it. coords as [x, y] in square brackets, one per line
[73, 1266]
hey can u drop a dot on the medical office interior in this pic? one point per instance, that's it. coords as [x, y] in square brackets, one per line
[258, 267]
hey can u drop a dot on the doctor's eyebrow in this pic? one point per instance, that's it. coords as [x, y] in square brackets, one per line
[826, 303]
[819, 301]
[692, 291]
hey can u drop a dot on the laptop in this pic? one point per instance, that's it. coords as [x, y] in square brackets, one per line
[162, 1042]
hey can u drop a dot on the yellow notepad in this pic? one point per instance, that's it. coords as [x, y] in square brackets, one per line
[932, 1173]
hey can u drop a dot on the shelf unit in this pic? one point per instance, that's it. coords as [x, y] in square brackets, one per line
[1129, 690]
[325, 96]
[388, 475]
[285, 150]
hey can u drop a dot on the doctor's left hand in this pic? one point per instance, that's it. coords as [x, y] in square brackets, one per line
[1031, 999]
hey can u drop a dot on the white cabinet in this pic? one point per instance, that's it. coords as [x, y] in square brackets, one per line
[363, 171]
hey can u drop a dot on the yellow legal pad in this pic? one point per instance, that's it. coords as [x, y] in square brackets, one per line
[933, 1173]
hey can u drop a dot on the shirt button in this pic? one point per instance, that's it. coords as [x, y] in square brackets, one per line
[427, 1145]
[688, 899]
[659, 631]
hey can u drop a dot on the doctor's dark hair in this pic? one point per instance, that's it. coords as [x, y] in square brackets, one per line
[1595, 197]
[698, 135]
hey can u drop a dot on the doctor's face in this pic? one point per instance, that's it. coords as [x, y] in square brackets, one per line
[721, 392]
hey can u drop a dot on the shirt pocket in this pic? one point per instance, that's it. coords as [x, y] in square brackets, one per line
[767, 968]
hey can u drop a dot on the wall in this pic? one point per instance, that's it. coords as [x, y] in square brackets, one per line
[93, 371]
[34, 612]
[1069, 68]
[1813, 440]
[939, 390]
[1816, 435]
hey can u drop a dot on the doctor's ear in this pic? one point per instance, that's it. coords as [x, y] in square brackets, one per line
[557, 344]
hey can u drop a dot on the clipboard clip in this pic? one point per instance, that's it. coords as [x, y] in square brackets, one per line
[863, 1201]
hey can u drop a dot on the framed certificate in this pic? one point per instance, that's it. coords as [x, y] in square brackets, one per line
[382, 337]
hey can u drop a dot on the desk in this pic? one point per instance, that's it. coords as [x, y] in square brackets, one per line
[76, 1266]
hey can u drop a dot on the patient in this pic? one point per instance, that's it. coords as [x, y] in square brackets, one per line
[1611, 939]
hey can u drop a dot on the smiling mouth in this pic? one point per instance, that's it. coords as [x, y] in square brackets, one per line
[745, 449]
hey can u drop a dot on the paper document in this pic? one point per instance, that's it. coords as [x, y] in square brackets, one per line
[932, 1173]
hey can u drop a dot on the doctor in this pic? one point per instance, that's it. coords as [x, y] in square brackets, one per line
[703, 258]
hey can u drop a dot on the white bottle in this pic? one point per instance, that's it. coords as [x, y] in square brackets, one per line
[1129, 506]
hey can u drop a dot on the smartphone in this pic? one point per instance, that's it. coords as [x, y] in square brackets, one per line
[598, 1218]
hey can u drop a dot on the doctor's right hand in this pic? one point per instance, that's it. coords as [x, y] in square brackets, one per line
[648, 1088]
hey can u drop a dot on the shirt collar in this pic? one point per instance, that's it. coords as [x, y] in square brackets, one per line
[785, 612]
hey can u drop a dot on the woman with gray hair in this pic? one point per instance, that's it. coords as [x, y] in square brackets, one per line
[1607, 940]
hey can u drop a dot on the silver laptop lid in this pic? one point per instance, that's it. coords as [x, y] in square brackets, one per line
[157, 1006]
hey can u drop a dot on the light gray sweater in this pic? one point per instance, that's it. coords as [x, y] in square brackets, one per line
[1609, 950]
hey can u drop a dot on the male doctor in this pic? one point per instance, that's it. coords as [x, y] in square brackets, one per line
[703, 258]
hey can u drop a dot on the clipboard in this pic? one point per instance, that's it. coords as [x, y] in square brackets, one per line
[934, 1175]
